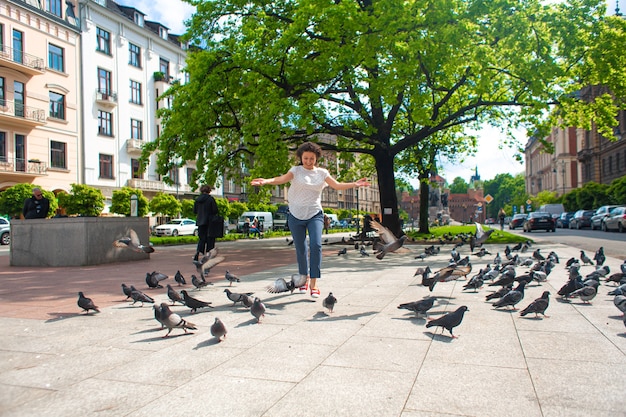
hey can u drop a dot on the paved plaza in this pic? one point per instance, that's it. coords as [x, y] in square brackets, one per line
[367, 358]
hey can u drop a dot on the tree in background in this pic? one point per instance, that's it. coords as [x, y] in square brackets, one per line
[120, 201]
[165, 205]
[382, 77]
[186, 208]
[507, 191]
[458, 186]
[592, 195]
[617, 190]
[12, 199]
[83, 200]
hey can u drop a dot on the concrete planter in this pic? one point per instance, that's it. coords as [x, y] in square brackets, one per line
[74, 241]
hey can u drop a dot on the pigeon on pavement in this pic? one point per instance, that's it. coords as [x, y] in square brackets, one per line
[231, 277]
[132, 242]
[342, 251]
[257, 309]
[419, 307]
[86, 303]
[450, 320]
[329, 302]
[137, 295]
[153, 279]
[586, 293]
[512, 297]
[174, 295]
[538, 306]
[620, 303]
[126, 290]
[193, 303]
[237, 297]
[172, 320]
[280, 285]
[500, 293]
[599, 256]
[198, 283]
[180, 278]
[390, 242]
[218, 330]
[585, 258]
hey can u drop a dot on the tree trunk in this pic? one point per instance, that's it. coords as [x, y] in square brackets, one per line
[424, 201]
[387, 188]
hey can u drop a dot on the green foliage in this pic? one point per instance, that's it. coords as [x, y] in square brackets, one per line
[458, 186]
[186, 208]
[83, 200]
[120, 201]
[236, 210]
[617, 191]
[507, 191]
[435, 233]
[592, 195]
[165, 204]
[544, 197]
[12, 199]
[223, 207]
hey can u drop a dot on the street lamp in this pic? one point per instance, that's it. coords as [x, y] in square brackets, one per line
[563, 173]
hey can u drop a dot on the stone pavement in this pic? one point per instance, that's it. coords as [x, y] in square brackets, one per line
[367, 358]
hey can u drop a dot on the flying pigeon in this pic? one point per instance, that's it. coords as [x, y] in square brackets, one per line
[538, 306]
[512, 297]
[449, 321]
[172, 320]
[174, 295]
[257, 309]
[480, 237]
[281, 285]
[180, 278]
[420, 307]
[137, 295]
[86, 303]
[193, 303]
[153, 279]
[236, 297]
[231, 277]
[329, 302]
[390, 242]
[132, 242]
[208, 261]
[218, 330]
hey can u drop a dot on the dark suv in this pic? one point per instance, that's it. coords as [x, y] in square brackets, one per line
[539, 220]
[599, 215]
[582, 218]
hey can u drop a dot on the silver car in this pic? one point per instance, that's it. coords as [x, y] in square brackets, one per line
[5, 231]
[616, 220]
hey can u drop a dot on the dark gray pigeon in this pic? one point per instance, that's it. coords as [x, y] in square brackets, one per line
[538, 306]
[257, 309]
[132, 242]
[126, 290]
[157, 315]
[329, 302]
[449, 321]
[620, 302]
[154, 278]
[342, 251]
[586, 293]
[198, 283]
[86, 303]
[599, 256]
[193, 303]
[174, 295]
[247, 300]
[237, 297]
[363, 252]
[137, 295]
[180, 278]
[281, 285]
[621, 290]
[420, 307]
[512, 297]
[500, 293]
[218, 330]
[231, 277]
[585, 258]
[390, 242]
[172, 320]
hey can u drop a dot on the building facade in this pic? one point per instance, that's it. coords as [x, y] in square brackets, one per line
[40, 96]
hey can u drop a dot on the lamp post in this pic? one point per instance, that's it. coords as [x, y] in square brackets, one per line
[358, 220]
[563, 173]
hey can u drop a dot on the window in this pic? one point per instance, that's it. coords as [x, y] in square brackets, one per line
[134, 55]
[106, 166]
[135, 92]
[55, 58]
[18, 98]
[20, 153]
[173, 174]
[58, 154]
[190, 172]
[105, 123]
[54, 7]
[2, 93]
[104, 82]
[164, 67]
[136, 129]
[18, 46]
[137, 172]
[3, 147]
[57, 105]
[103, 39]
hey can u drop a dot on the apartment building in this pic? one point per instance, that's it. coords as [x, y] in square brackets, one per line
[128, 63]
[40, 95]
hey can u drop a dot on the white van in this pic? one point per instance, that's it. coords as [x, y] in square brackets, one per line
[553, 209]
[266, 221]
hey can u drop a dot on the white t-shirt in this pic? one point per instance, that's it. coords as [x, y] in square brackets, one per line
[305, 191]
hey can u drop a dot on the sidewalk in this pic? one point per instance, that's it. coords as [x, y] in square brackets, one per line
[368, 358]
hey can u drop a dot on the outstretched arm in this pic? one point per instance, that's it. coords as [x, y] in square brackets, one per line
[363, 182]
[283, 179]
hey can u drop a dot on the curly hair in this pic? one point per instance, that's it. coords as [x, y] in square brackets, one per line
[205, 189]
[309, 147]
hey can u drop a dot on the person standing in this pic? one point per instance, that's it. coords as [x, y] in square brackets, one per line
[305, 209]
[501, 216]
[37, 206]
[204, 207]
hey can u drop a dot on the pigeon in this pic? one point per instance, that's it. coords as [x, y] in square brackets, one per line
[621, 290]
[218, 330]
[480, 237]
[179, 278]
[208, 261]
[449, 321]
[586, 293]
[172, 320]
[363, 252]
[236, 297]
[153, 279]
[132, 242]
[390, 242]
[198, 283]
[500, 293]
[247, 300]
[574, 283]
[419, 307]
[620, 303]
[137, 295]
[231, 277]
[257, 309]
[280, 285]
[126, 290]
[475, 283]
[538, 256]
[616, 278]
[342, 251]
[599, 256]
[329, 302]
[585, 258]
[512, 297]
[174, 295]
[422, 271]
[538, 306]
[157, 315]
[482, 252]
[193, 303]
[507, 277]
[498, 259]
[86, 303]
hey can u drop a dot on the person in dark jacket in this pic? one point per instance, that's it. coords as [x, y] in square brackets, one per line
[204, 207]
[37, 206]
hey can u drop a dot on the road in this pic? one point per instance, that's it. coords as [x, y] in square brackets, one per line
[614, 243]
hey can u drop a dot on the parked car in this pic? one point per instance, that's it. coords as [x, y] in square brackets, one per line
[582, 218]
[599, 215]
[177, 227]
[5, 231]
[280, 221]
[616, 220]
[517, 221]
[563, 220]
[539, 220]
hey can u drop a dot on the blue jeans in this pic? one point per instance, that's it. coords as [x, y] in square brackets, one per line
[308, 265]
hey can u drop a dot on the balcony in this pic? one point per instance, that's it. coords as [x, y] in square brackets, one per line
[585, 154]
[23, 167]
[19, 115]
[156, 186]
[21, 61]
[134, 146]
[106, 98]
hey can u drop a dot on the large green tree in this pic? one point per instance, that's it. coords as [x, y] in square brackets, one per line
[383, 76]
